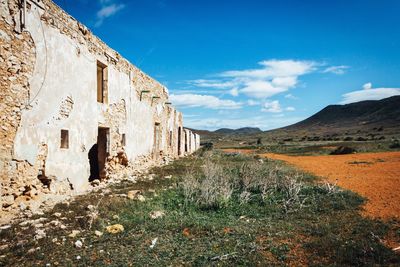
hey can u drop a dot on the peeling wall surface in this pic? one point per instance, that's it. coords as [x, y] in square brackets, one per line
[49, 69]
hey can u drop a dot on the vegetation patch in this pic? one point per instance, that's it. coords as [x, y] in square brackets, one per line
[213, 209]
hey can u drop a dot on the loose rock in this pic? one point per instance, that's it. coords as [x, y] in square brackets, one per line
[78, 244]
[156, 214]
[115, 228]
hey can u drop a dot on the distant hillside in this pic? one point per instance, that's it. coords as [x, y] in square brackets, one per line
[244, 130]
[223, 132]
[364, 114]
[335, 122]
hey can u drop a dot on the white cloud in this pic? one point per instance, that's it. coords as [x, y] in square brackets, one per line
[234, 92]
[290, 96]
[336, 69]
[205, 101]
[290, 109]
[367, 86]
[261, 89]
[108, 9]
[263, 122]
[271, 78]
[369, 93]
[212, 83]
[274, 68]
[284, 82]
[272, 106]
[274, 77]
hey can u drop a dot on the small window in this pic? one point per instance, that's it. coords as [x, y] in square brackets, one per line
[64, 139]
[123, 140]
[102, 77]
[170, 138]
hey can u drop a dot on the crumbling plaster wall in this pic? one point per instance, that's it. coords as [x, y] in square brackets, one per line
[197, 142]
[49, 84]
[17, 56]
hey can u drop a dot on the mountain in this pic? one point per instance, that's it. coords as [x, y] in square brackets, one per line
[224, 132]
[359, 115]
[363, 119]
[244, 130]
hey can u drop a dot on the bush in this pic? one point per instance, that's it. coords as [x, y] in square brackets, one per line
[207, 145]
[212, 189]
[348, 138]
[268, 183]
[342, 150]
[395, 144]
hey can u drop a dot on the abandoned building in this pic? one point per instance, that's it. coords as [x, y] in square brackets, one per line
[74, 111]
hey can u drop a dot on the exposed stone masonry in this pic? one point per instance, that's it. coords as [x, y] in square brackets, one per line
[37, 102]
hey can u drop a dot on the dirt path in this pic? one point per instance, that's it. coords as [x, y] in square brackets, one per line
[375, 176]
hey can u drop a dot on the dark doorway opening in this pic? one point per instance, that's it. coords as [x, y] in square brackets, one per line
[186, 142]
[98, 155]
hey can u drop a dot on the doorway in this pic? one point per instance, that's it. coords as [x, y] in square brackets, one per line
[186, 141]
[98, 154]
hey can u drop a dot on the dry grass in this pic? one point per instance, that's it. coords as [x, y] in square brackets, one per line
[214, 186]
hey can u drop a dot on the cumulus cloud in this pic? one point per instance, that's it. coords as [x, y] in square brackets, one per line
[261, 89]
[336, 69]
[369, 93]
[271, 78]
[108, 9]
[272, 106]
[205, 101]
[290, 109]
[274, 68]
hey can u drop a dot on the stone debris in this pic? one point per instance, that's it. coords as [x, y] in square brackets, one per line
[133, 194]
[95, 182]
[153, 242]
[141, 198]
[157, 214]
[91, 208]
[39, 234]
[98, 233]
[115, 228]
[78, 244]
[4, 227]
[74, 233]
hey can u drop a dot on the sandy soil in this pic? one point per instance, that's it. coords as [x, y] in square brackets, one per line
[375, 176]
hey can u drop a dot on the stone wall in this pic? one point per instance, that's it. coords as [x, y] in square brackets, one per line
[50, 112]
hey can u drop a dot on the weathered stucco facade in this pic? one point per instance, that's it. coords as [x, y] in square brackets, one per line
[74, 111]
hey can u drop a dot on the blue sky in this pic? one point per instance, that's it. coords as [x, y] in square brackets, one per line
[254, 63]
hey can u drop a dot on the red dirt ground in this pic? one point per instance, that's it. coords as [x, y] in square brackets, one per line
[375, 176]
